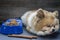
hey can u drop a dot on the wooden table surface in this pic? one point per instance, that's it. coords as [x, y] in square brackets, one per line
[55, 36]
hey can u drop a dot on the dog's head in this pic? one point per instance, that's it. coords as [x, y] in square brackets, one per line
[47, 21]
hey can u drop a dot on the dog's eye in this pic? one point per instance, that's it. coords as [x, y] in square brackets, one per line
[48, 26]
[44, 30]
[54, 26]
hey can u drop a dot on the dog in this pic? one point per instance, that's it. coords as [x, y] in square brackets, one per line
[41, 22]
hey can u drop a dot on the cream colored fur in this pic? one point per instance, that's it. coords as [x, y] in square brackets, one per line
[37, 21]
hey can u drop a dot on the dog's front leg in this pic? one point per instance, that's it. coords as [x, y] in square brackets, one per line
[28, 28]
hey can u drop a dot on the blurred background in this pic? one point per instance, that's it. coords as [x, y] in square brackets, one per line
[16, 8]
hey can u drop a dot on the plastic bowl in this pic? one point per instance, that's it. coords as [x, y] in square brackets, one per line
[6, 29]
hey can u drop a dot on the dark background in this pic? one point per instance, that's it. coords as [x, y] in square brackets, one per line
[16, 8]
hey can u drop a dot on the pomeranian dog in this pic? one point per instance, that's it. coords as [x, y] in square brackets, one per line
[41, 22]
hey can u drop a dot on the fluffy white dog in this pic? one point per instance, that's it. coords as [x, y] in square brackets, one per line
[41, 22]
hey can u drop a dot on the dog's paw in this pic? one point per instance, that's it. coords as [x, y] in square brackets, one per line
[28, 28]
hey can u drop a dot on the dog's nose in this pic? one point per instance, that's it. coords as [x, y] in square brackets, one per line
[53, 30]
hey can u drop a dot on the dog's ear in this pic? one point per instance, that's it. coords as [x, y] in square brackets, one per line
[55, 13]
[40, 13]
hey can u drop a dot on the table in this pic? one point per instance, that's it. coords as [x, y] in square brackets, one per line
[55, 36]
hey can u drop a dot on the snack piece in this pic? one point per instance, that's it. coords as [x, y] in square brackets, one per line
[13, 22]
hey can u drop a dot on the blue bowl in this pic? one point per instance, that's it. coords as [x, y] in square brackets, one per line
[6, 29]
